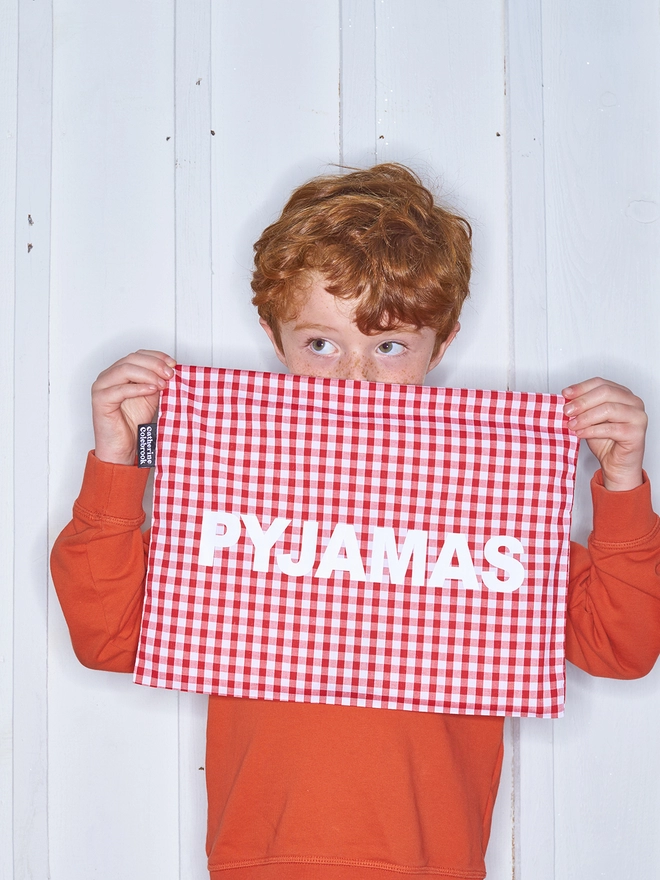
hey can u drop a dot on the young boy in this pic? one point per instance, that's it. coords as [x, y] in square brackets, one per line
[362, 277]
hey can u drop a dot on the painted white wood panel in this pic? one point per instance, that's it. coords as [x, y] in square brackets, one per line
[193, 182]
[153, 220]
[8, 133]
[8, 137]
[194, 344]
[30, 730]
[358, 78]
[533, 743]
[602, 78]
[524, 84]
[113, 747]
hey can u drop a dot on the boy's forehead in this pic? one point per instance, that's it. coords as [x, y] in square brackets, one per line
[315, 306]
[318, 310]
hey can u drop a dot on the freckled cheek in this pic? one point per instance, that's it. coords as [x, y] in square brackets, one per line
[319, 367]
[404, 374]
[412, 375]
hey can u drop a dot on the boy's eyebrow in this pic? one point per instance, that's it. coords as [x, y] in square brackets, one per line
[320, 327]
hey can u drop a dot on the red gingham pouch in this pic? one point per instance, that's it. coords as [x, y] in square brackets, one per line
[357, 543]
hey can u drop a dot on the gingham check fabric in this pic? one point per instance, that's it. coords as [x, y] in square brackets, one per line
[357, 543]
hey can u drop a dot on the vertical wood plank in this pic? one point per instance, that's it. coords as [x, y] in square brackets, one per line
[533, 738]
[8, 236]
[524, 80]
[113, 748]
[31, 857]
[499, 855]
[192, 144]
[602, 80]
[194, 344]
[358, 84]
[534, 826]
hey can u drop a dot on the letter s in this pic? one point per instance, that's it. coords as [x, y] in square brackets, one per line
[513, 567]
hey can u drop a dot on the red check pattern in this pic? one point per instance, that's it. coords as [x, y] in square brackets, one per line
[373, 456]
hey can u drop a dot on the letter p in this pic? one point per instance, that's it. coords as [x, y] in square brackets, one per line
[210, 539]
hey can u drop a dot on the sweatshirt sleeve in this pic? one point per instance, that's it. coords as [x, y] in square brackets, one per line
[98, 565]
[613, 613]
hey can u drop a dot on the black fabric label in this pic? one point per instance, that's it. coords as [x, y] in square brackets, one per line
[146, 446]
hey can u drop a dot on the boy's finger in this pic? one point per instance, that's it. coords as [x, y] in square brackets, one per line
[620, 433]
[573, 391]
[138, 369]
[156, 360]
[610, 413]
[603, 394]
[115, 395]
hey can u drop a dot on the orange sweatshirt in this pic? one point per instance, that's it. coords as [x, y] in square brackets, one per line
[326, 792]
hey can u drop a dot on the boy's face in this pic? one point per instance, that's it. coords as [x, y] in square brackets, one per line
[324, 341]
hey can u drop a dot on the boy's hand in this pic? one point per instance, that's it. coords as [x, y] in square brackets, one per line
[613, 422]
[125, 396]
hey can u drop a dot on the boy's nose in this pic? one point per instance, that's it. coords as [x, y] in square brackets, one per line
[356, 366]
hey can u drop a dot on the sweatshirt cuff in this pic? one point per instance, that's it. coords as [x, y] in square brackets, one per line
[621, 517]
[112, 491]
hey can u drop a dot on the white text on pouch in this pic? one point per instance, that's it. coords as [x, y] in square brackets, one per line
[342, 553]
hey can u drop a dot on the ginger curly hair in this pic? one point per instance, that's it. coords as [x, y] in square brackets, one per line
[375, 236]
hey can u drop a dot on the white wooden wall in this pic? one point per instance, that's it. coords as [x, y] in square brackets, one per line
[144, 145]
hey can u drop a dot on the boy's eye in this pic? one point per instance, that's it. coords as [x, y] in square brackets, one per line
[390, 348]
[321, 346]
